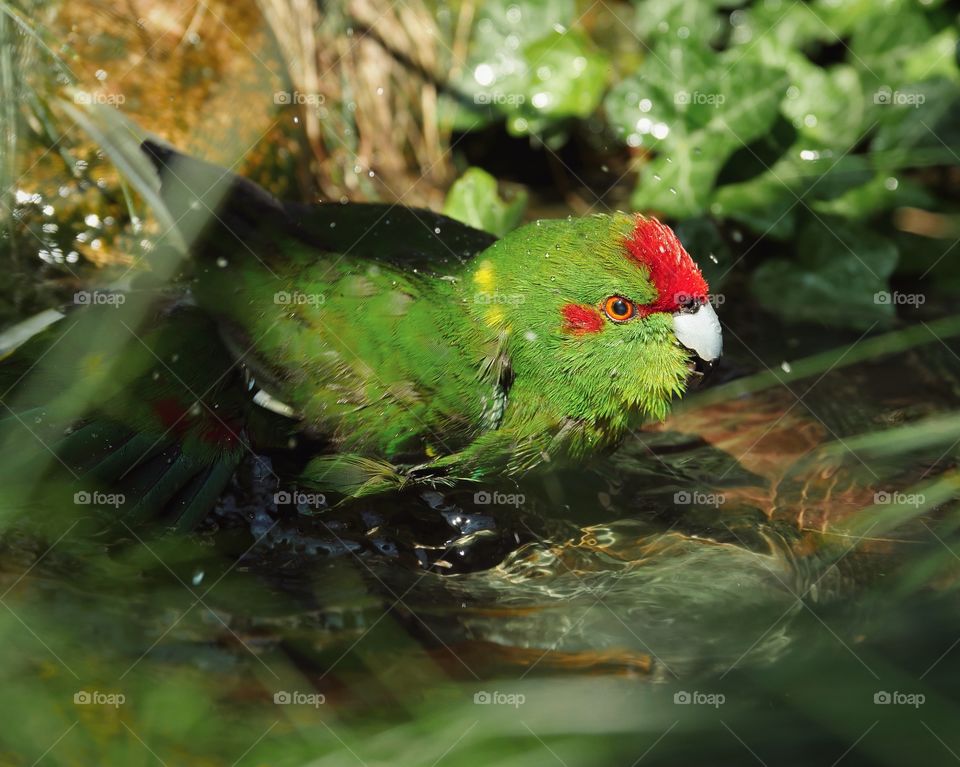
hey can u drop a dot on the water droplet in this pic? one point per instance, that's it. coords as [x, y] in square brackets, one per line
[484, 74]
[222, 262]
[197, 578]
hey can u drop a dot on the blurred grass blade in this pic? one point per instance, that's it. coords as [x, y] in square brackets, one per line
[120, 140]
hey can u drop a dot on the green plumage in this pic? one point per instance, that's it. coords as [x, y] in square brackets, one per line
[420, 350]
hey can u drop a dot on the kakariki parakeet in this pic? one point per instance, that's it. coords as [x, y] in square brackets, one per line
[411, 348]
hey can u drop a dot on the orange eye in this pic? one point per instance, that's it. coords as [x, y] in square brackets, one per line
[618, 309]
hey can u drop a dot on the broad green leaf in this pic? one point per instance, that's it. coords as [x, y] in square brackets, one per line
[883, 192]
[778, 28]
[563, 76]
[694, 108]
[838, 278]
[923, 129]
[678, 19]
[826, 105]
[496, 69]
[883, 47]
[474, 200]
[771, 203]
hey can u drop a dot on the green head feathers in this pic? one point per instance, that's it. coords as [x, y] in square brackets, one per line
[587, 311]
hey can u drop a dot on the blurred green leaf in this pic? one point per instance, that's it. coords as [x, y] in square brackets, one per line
[564, 76]
[679, 18]
[841, 269]
[497, 64]
[827, 105]
[771, 203]
[694, 108]
[474, 200]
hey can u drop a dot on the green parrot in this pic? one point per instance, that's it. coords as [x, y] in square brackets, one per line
[409, 348]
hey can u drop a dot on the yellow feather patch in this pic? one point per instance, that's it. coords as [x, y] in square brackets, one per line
[494, 316]
[483, 278]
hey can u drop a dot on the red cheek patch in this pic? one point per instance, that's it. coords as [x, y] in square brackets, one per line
[579, 319]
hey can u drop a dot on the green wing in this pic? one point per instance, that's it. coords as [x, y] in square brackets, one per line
[139, 412]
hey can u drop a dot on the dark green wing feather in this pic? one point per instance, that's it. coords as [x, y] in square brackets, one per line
[228, 216]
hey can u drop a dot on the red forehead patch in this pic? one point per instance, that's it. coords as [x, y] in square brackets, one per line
[673, 273]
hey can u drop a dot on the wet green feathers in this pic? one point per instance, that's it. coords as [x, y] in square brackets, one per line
[419, 350]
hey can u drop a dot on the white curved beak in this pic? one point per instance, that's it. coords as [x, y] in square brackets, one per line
[700, 332]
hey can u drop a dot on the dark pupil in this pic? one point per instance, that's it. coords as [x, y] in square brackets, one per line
[620, 307]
